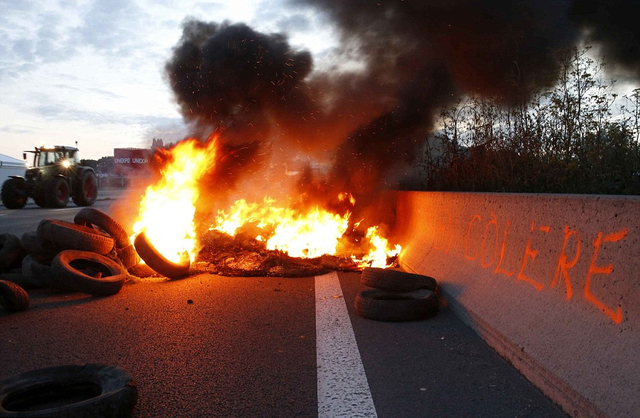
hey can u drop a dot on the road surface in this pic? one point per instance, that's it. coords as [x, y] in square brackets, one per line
[212, 346]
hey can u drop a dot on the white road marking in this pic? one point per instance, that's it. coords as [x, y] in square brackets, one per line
[343, 390]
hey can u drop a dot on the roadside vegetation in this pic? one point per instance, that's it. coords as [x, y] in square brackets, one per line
[577, 137]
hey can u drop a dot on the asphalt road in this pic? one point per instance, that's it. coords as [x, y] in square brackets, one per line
[212, 346]
[19, 221]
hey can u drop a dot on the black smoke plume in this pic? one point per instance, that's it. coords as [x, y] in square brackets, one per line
[417, 56]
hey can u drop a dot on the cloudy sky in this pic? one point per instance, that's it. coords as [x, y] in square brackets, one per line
[92, 71]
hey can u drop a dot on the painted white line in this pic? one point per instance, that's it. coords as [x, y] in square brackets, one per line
[343, 390]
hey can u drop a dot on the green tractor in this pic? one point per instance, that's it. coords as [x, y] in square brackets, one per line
[56, 176]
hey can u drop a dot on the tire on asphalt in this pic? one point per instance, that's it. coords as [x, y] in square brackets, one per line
[17, 278]
[79, 391]
[56, 192]
[13, 193]
[396, 280]
[383, 305]
[92, 218]
[36, 272]
[13, 297]
[157, 261]
[141, 270]
[88, 272]
[9, 250]
[128, 256]
[35, 245]
[70, 236]
[86, 189]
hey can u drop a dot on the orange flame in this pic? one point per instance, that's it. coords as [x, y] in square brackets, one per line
[380, 251]
[167, 209]
[305, 234]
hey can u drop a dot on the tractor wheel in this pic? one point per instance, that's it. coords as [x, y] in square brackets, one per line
[86, 189]
[57, 192]
[39, 194]
[14, 195]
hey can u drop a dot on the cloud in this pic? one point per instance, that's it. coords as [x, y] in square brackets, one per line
[110, 27]
[294, 23]
[16, 129]
[93, 91]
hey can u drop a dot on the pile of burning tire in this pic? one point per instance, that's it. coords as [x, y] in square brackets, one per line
[397, 296]
[91, 255]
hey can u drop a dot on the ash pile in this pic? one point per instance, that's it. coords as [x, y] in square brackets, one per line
[243, 255]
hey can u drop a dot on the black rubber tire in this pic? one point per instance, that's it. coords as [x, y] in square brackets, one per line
[128, 256]
[13, 297]
[57, 192]
[85, 189]
[141, 270]
[14, 194]
[41, 247]
[39, 194]
[17, 278]
[78, 391]
[396, 280]
[383, 305]
[71, 236]
[79, 270]
[36, 272]
[157, 261]
[9, 250]
[92, 217]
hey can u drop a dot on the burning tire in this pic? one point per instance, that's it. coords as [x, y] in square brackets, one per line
[157, 261]
[70, 236]
[9, 250]
[88, 272]
[56, 192]
[13, 297]
[91, 217]
[36, 273]
[396, 280]
[14, 194]
[86, 189]
[383, 305]
[80, 391]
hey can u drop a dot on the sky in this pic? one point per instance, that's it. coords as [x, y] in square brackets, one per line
[93, 71]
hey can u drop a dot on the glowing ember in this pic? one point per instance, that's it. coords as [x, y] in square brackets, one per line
[168, 207]
[304, 234]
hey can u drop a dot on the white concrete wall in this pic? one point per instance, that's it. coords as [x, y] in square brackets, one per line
[552, 282]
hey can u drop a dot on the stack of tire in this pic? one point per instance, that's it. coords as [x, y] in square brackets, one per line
[90, 255]
[12, 296]
[396, 295]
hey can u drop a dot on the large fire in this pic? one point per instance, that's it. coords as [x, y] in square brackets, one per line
[168, 209]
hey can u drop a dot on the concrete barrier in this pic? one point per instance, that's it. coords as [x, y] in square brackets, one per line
[552, 282]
